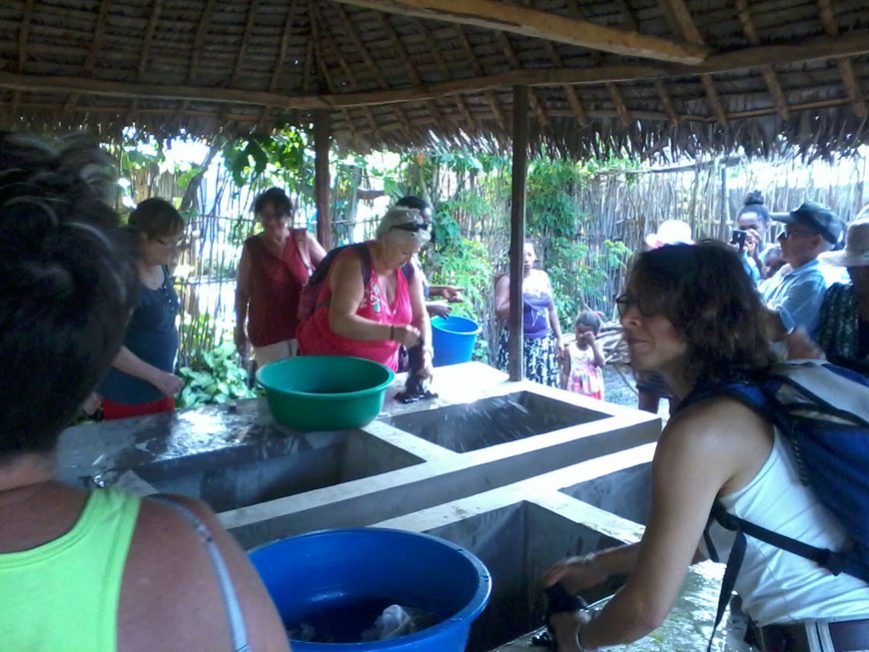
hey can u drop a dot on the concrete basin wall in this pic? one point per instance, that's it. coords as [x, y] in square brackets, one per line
[521, 529]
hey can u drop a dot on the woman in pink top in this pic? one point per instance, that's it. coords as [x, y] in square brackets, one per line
[371, 320]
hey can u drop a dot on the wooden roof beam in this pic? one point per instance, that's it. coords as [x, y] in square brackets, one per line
[149, 37]
[23, 34]
[198, 40]
[679, 16]
[503, 17]
[569, 91]
[820, 48]
[245, 41]
[667, 101]
[845, 68]
[515, 64]
[768, 72]
[282, 56]
[88, 66]
[461, 105]
[491, 100]
[372, 66]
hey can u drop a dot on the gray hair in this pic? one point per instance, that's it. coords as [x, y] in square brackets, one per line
[404, 224]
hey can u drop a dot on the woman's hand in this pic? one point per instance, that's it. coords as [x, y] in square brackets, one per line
[575, 574]
[437, 309]
[240, 341]
[405, 334]
[566, 626]
[451, 293]
[169, 384]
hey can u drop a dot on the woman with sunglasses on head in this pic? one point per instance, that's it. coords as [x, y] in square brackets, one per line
[692, 314]
[273, 268]
[142, 379]
[372, 301]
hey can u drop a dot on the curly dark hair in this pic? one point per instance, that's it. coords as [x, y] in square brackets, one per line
[277, 198]
[704, 291]
[68, 284]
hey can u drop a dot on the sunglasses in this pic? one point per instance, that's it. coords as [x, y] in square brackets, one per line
[413, 227]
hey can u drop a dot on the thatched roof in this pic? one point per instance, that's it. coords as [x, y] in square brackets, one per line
[653, 76]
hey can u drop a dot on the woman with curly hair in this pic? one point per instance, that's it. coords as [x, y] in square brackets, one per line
[691, 314]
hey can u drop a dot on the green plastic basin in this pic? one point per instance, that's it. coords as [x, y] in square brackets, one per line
[324, 392]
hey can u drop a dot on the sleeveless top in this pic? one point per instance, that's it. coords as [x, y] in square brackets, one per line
[316, 336]
[275, 285]
[535, 314]
[63, 595]
[777, 586]
[585, 376]
[151, 336]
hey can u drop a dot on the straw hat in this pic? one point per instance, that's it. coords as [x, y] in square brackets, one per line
[670, 232]
[856, 251]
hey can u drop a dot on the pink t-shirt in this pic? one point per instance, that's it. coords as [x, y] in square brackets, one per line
[316, 336]
[585, 376]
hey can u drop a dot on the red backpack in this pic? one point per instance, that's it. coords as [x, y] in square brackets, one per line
[309, 299]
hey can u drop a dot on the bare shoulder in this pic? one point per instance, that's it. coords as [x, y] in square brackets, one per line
[717, 432]
[168, 565]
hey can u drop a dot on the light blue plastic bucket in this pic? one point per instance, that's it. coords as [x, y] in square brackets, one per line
[328, 578]
[453, 339]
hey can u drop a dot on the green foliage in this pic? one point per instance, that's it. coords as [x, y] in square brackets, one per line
[283, 159]
[216, 378]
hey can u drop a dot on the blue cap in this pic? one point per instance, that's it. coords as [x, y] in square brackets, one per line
[816, 217]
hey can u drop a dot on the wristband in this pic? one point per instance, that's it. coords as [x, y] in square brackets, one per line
[391, 333]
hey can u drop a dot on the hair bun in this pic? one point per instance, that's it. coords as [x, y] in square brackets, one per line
[754, 198]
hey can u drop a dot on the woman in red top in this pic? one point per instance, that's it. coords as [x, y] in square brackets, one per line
[371, 321]
[274, 266]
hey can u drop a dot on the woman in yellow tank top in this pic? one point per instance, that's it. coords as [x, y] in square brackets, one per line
[90, 571]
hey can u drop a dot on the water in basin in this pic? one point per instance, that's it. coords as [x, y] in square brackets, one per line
[627, 492]
[517, 544]
[227, 479]
[491, 421]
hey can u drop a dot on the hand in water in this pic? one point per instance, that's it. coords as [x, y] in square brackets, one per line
[566, 626]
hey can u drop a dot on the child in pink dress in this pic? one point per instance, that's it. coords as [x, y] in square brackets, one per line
[582, 367]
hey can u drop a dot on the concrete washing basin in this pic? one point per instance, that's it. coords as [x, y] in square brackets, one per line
[494, 420]
[242, 476]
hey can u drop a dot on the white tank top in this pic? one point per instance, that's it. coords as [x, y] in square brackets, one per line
[777, 586]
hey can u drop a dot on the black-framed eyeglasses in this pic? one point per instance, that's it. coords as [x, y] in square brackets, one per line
[413, 227]
[624, 302]
[786, 234]
[174, 244]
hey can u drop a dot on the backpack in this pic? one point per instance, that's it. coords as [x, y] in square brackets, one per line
[823, 412]
[310, 294]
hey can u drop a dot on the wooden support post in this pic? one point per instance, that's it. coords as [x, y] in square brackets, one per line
[517, 230]
[322, 182]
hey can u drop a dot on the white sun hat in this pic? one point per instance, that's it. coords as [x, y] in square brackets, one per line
[670, 232]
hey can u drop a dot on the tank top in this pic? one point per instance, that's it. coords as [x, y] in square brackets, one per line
[63, 595]
[316, 336]
[275, 285]
[151, 336]
[777, 586]
[535, 314]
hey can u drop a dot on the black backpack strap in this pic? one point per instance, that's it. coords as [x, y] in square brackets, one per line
[734, 563]
[824, 557]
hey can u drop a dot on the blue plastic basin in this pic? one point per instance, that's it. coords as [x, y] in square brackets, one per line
[327, 571]
[453, 339]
